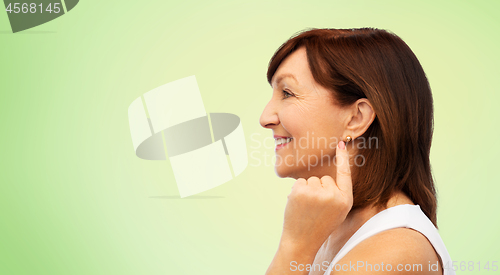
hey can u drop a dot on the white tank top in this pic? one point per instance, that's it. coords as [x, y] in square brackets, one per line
[405, 215]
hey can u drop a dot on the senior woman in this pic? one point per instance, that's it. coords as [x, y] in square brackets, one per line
[352, 115]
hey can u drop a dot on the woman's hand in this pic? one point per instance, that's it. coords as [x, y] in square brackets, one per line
[316, 207]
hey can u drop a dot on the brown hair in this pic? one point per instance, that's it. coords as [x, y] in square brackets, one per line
[377, 65]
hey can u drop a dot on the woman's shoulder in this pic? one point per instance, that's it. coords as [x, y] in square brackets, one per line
[398, 250]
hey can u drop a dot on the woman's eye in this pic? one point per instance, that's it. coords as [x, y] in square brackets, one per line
[286, 94]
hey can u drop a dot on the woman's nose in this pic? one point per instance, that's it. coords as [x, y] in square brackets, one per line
[269, 116]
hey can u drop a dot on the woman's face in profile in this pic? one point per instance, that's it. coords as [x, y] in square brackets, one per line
[306, 123]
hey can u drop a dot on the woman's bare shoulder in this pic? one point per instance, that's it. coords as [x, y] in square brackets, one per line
[399, 250]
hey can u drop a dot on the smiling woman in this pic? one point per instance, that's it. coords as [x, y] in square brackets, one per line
[353, 86]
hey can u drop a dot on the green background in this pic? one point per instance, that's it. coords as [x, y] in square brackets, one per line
[76, 200]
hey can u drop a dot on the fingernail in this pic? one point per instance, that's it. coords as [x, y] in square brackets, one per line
[342, 145]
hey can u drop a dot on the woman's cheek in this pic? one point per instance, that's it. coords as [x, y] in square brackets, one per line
[291, 121]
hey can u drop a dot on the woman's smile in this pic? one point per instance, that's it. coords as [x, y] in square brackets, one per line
[281, 141]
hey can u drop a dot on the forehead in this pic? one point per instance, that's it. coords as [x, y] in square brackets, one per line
[294, 67]
[281, 76]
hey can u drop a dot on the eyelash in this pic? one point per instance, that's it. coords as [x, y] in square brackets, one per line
[286, 94]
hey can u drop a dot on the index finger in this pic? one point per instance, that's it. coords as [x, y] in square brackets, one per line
[343, 181]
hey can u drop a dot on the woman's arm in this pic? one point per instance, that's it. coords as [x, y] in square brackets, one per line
[291, 259]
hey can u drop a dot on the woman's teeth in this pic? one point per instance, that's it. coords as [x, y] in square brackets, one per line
[280, 141]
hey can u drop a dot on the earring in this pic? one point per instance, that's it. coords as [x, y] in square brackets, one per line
[348, 139]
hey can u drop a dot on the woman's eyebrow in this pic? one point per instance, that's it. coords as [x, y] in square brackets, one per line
[283, 76]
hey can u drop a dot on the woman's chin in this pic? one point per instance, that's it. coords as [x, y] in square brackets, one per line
[293, 172]
[287, 172]
[283, 172]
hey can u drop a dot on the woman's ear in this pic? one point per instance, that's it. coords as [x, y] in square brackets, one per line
[362, 116]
